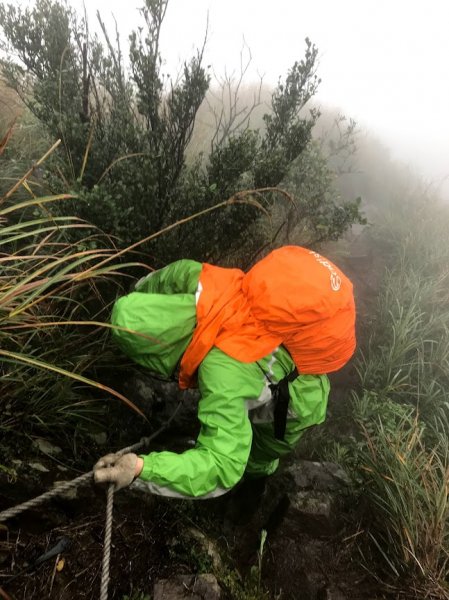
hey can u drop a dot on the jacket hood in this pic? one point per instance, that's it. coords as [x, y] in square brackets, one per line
[154, 330]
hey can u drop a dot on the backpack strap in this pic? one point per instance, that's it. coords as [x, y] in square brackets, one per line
[281, 399]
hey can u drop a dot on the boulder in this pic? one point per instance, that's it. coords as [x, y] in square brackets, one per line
[307, 503]
[46, 447]
[307, 498]
[319, 476]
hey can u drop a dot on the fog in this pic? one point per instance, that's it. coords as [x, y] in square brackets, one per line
[382, 63]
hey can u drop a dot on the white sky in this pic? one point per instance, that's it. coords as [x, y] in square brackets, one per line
[383, 62]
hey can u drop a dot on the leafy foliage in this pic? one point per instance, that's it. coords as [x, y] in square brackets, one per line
[125, 132]
[55, 300]
[319, 214]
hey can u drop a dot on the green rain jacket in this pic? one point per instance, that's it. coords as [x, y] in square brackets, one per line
[155, 325]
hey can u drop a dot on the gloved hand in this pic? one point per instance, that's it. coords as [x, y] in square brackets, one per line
[120, 470]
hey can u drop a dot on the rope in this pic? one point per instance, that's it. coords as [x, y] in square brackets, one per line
[68, 485]
[60, 489]
[107, 543]
[82, 479]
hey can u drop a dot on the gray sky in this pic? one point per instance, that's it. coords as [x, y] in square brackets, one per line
[383, 62]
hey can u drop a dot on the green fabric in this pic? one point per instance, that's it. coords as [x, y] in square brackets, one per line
[228, 443]
[308, 405]
[222, 449]
[180, 277]
[159, 317]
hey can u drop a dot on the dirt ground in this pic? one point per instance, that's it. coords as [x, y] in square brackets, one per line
[149, 542]
[156, 538]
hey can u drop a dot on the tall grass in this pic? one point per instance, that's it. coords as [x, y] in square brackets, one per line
[55, 294]
[406, 482]
[407, 357]
[403, 406]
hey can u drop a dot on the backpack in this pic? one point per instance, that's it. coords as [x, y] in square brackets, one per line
[293, 296]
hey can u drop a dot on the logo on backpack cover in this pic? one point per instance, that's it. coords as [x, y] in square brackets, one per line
[335, 277]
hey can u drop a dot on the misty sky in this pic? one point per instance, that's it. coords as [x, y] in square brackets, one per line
[384, 63]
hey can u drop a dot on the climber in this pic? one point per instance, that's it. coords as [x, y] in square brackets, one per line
[257, 345]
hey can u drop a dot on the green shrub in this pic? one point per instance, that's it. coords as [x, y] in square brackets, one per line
[125, 133]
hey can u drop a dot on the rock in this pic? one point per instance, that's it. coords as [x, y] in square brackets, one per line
[304, 507]
[325, 476]
[206, 586]
[307, 498]
[159, 399]
[38, 467]
[46, 447]
[179, 587]
[208, 546]
[99, 438]
[313, 513]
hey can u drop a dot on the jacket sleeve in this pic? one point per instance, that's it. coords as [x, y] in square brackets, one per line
[218, 460]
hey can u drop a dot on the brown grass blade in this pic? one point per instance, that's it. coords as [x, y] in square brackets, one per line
[4, 141]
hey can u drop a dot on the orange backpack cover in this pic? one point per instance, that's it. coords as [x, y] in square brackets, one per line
[293, 296]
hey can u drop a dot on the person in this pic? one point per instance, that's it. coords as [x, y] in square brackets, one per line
[258, 345]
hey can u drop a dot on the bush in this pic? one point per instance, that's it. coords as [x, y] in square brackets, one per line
[125, 133]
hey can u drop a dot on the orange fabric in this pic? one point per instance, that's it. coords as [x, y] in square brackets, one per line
[293, 297]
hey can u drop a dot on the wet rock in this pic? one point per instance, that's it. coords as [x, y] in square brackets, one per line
[206, 586]
[325, 476]
[306, 503]
[46, 447]
[307, 499]
[196, 587]
[99, 438]
[313, 513]
[170, 400]
[148, 392]
[38, 467]
[160, 399]
[208, 546]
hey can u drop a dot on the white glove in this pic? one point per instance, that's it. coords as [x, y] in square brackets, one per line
[120, 470]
